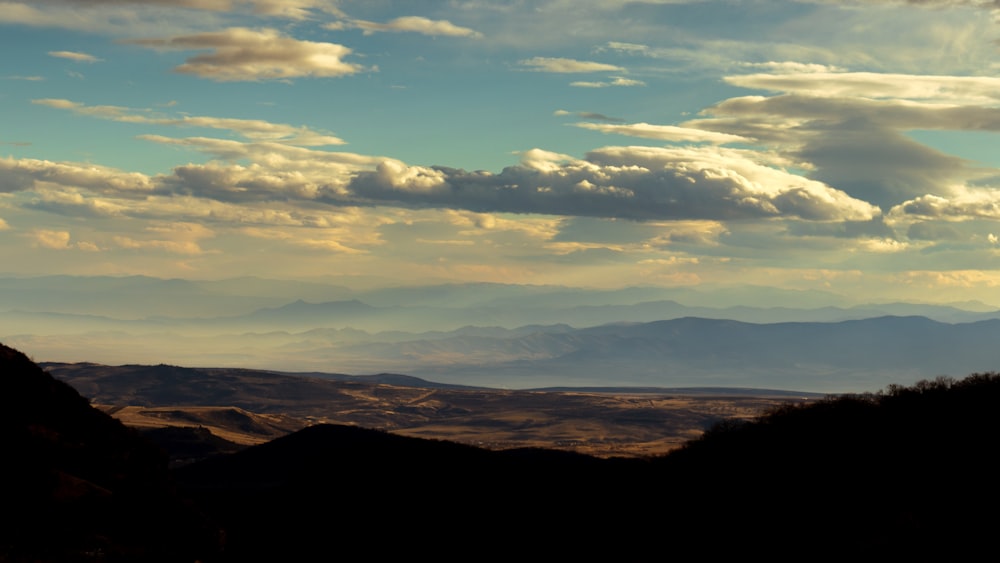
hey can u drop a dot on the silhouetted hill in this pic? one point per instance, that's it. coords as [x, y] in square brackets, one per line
[187, 444]
[78, 485]
[903, 474]
[392, 497]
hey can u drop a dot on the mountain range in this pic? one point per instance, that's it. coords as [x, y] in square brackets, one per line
[503, 336]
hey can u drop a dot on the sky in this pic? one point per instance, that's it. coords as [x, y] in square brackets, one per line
[848, 146]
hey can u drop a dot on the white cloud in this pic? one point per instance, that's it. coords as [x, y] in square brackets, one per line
[115, 18]
[27, 174]
[643, 183]
[292, 9]
[255, 129]
[241, 54]
[562, 65]
[75, 56]
[942, 89]
[664, 132]
[847, 129]
[968, 204]
[46, 238]
[414, 24]
[793, 67]
[617, 81]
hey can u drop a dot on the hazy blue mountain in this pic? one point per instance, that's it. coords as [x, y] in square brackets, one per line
[499, 334]
[692, 351]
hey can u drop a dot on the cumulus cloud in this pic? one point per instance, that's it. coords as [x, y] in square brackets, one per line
[26, 174]
[562, 65]
[642, 183]
[255, 129]
[970, 204]
[664, 133]
[851, 135]
[74, 56]
[242, 54]
[413, 24]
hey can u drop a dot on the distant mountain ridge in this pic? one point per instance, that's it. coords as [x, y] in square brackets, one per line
[499, 335]
[686, 352]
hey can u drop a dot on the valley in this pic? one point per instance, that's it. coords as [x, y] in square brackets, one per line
[249, 407]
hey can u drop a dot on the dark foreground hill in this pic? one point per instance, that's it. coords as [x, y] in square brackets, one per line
[77, 485]
[905, 474]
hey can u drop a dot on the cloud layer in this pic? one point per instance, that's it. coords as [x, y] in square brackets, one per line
[241, 54]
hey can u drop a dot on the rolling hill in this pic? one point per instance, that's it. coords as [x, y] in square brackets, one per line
[902, 474]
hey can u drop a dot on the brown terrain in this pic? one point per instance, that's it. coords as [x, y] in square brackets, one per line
[249, 407]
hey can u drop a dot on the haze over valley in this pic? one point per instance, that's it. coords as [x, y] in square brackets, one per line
[503, 336]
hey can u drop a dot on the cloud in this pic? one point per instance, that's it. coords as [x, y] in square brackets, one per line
[589, 115]
[44, 238]
[793, 67]
[627, 48]
[276, 156]
[414, 24]
[173, 238]
[932, 4]
[926, 230]
[943, 89]
[117, 18]
[73, 203]
[970, 204]
[241, 54]
[3, 225]
[561, 65]
[197, 4]
[75, 56]
[850, 134]
[255, 129]
[246, 184]
[26, 78]
[27, 174]
[641, 183]
[617, 81]
[664, 133]
[292, 9]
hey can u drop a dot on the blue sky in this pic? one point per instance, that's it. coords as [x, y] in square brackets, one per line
[848, 146]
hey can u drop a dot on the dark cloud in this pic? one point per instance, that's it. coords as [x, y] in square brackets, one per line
[878, 165]
[639, 183]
